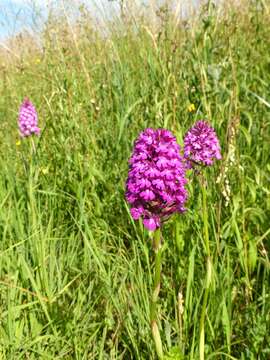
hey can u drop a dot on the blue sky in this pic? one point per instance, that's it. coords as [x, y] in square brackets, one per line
[16, 15]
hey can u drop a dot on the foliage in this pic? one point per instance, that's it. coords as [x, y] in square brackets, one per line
[74, 267]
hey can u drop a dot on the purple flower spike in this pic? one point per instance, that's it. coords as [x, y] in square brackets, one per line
[28, 119]
[155, 187]
[201, 145]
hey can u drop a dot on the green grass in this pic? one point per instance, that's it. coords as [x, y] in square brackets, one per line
[75, 269]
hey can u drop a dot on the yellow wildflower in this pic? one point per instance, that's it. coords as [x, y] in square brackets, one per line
[44, 170]
[191, 108]
[18, 142]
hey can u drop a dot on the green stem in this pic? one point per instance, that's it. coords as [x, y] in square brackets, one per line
[33, 147]
[202, 320]
[153, 306]
[208, 269]
[205, 220]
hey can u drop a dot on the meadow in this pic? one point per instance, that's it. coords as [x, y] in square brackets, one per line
[75, 268]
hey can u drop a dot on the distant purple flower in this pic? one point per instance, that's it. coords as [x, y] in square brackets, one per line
[156, 181]
[28, 119]
[201, 145]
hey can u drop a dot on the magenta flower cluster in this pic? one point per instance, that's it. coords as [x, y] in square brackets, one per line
[156, 178]
[28, 119]
[201, 145]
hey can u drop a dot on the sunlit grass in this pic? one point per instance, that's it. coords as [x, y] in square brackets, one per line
[75, 269]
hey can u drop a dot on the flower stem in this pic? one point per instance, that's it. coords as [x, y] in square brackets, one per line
[33, 148]
[153, 306]
[202, 320]
[208, 269]
[205, 220]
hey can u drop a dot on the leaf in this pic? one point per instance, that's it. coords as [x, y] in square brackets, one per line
[174, 354]
[252, 256]
[226, 324]
[262, 100]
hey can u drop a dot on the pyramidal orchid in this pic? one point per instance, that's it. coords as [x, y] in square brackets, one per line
[202, 148]
[155, 189]
[201, 145]
[28, 119]
[156, 181]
